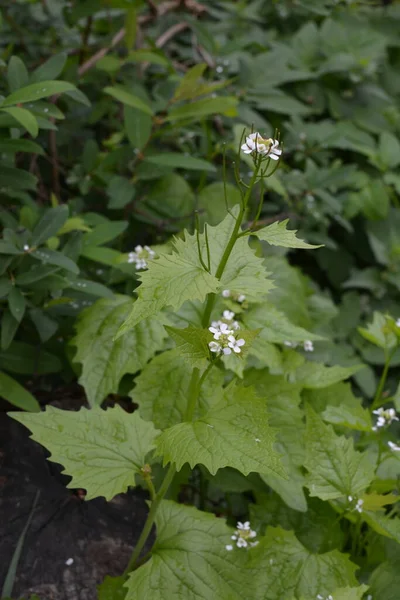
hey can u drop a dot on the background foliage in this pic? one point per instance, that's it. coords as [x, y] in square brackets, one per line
[115, 116]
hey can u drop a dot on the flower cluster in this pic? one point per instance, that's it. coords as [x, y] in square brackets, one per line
[225, 332]
[358, 505]
[385, 417]
[307, 345]
[140, 257]
[236, 297]
[242, 536]
[255, 144]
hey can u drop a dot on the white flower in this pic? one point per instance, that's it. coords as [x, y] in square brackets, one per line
[241, 298]
[242, 535]
[26, 248]
[226, 293]
[290, 344]
[214, 347]
[308, 346]
[359, 506]
[267, 147]
[398, 323]
[140, 257]
[385, 417]
[394, 447]
[228, 315]
[229, 547]
[235, 344]
[219, 328]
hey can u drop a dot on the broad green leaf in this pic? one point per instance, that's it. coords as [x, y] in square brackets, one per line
[189, 560]
[24, 118]
[101, 450]
[112, 588]
[343, 408]
[211, 202]
[51, 69]
[17, 179]
[73, 224]
[225, 105]
[36, 91]
[177, 160]
[335, 468]
[17, 395]
[50, 223]
[21, 145]
[138, 126]
[128, 99]
[389, 527]
[378, 332]
[105, 360]
[17, 74]
[234, 433]
[16, 304]
[9, 327]
[120, 191]
[192, 344]
[389, 150]
[285, 568]
[315, 376]
[104, 232]
[169, 281]
[105, 256]
[161, 390]
[277, 234]
[28, 360]
[350, 593]
[52, 257]
[385, 580]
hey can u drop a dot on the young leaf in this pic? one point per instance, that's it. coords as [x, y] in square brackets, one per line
[192, 344]
[276, 234]
[234, 433]
[161, 390]
[335, 468]
[101, 450]
[14, 393]
[105, 360]
[285, 568]
[189, 560]
[51, 222]
[128, 99]
[169, 281]
[36, 91]
[24, 118]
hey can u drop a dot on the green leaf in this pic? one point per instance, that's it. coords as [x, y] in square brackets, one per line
[101, 450]
[24, 118]
[315, 376]
[177, 160]
[192, 344]
[350, 593]
[50, 223]
[28, 360]
[37, 91]
[17, 179]
[343, 408]
[92, 288]
[104, 232]
[389, 150]
[335, 468]
[14, 393]
[105, 360]
[9, 327]
[211, 201]
[16, 304]
[169, 281]
[189, 560]
[225, 105]
[128, 99]
[285, 568]
[382, 524]
[190, 83]
[52, 257]
[112, 588]
[161, 390]
[20, 145]
[45, 326]
[378, 332]
[17, 74]
[385, 580]
[105, 256]
[5, 286]
[234, 433]
[51, 69]
[137, 127]
[276, 234]
[147, 56]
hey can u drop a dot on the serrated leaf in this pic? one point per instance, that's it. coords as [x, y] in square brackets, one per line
[344, 409]
[101, 450]
[169, 281]
[105, 360]
[36, 91]
[315, 376]
[285, 568]
[385, 581]
[234, 433]
[276, 234]
[389, 527]
[161, 390]
[189, 560]
[192, 344]
[13, 392]
[335, 468]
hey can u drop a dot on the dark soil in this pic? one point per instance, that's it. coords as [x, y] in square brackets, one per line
[99, 536]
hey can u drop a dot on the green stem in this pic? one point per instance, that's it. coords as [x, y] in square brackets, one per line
[150, 518]
[378, 396]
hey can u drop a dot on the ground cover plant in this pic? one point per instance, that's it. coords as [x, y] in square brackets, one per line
[157, 160]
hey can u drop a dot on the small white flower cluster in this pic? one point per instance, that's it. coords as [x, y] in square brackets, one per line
[236, 297]
[140, 257]
[385, 417]
[242, 536]
[307, 345]
[224, 332]
[319, 597]
[359, 504]
[267, 147]
[394, 447]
